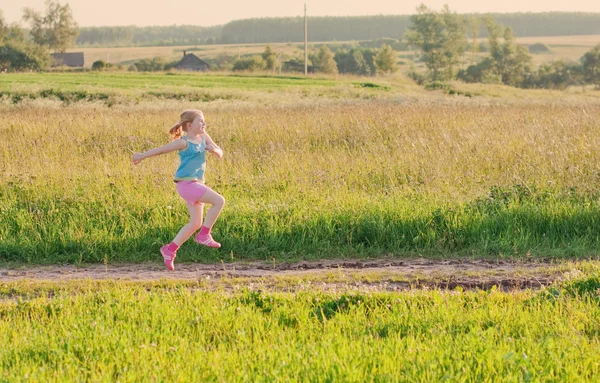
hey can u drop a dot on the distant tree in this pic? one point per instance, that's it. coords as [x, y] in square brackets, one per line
[494, 31]
[16, 54]
[19, 56]
[159, 64]
[482, 72]
[555, 75]
[223, 61]
[98, 65]
[3, 27]
[10, 32]
[351, 61]
[515, 60]
[270, 58]
[456, 43]
[591, 66]
[324, 60]
[143, 65]
[509, 61]
[150, 65]
[386, 60]
[250, 64]
[102, 65]
[475, 26]
[441, 37]
[369, 57]
[15, 33]
[56, 30]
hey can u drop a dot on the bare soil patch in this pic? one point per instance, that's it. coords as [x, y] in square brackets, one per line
[379, 274]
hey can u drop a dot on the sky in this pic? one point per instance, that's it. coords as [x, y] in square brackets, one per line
[216, 12]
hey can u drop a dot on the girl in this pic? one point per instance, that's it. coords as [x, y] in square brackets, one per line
[190, 180]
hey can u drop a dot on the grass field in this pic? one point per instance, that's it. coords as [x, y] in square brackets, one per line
[113, 88]
[351, 179]
[314, 168]
[111, 331]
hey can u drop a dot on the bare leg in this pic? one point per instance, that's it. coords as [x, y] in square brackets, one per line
[201, 217]
[217, 201]
[194, 224]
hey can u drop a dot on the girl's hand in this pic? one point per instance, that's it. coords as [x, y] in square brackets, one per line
[137, 158]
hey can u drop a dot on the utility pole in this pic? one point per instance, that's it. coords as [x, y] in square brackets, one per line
[305, 42]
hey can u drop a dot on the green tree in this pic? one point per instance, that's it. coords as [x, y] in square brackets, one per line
[352, 61]
[555, 75]
[475, 26]
[144, 65]
[515, 60]
[16, 54]
[250, 64]
[19, 56]
[441, 37]
[324, 60]
[456, 43]
[270, 58]
[482, 72]
[3, 27]
[385, 60]
[369, 57]
[56, 30]
[591, 66]
[510, 62]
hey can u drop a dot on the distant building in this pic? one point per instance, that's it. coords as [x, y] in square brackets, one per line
[73, 59]
[191, 62]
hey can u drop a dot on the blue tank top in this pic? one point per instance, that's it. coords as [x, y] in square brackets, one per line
[193, 162]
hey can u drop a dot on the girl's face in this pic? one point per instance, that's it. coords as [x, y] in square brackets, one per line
[198, 125]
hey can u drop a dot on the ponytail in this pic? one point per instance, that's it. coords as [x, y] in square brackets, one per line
[187, 116]
[176, 131]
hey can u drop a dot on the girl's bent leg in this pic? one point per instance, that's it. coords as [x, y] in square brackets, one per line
[217, 201]
[195, 211]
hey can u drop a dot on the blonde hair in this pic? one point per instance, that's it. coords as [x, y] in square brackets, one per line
[187, 116]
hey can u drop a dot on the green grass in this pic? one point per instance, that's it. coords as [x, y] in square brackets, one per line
[124, 80]
[108, 331]
[362, 179]
[117, 88]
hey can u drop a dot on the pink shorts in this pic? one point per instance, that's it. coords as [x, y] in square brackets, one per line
[191, 191]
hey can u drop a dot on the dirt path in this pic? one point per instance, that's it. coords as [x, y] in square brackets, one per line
[381, 274]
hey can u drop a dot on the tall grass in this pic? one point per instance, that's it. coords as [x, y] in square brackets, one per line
[109, 331]
[356, 179]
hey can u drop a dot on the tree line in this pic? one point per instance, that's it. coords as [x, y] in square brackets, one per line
[148, 36]
[291, 29]
[443, 42]
[357, 60]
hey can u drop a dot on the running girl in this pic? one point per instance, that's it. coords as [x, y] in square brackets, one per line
[190, 180]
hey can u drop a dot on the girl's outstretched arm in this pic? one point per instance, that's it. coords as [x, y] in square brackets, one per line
[212, 147]
[179, 144]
